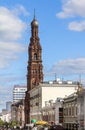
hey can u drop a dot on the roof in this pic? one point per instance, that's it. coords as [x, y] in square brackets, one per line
[20, 86]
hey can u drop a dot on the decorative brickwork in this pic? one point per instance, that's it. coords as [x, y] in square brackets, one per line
[35, 67]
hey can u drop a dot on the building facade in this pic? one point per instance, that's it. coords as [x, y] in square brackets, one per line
[74, 110]
[81, 109]
[6, 117]
[70, 113]
[8, 106]
[35, 67]
[59, 111]
[48, 111]
[17, 112]
[19, 92]
[53, 111]
[48, 91]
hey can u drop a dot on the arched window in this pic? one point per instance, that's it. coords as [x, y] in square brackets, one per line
[35, 56]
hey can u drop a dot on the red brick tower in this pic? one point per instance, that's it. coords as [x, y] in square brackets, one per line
[35, 67]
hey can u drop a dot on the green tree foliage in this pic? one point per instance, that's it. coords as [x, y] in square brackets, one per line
[1, 122]
[14, 123]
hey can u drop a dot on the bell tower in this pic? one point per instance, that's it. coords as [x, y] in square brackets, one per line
[35, 67]
[35, 74]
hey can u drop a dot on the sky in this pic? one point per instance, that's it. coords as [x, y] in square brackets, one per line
[62, 37]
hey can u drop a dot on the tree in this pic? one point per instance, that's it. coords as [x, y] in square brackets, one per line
[14, 123]
[1, 122]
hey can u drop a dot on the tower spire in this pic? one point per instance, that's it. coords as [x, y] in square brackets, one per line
[34, 14]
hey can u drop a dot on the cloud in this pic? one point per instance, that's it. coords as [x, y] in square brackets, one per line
[68, 67]
[5, 94]
[11, 27]
[8, 52]
[73, 9]
[19, 10]
[3, 91]
[77, 26]
[1, 102]
[11, 30]
[8, 78]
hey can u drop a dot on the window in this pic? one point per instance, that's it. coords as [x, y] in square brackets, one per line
[72, 111]
[66, 111]
[76, 110]
[69, 111]
[35, 56]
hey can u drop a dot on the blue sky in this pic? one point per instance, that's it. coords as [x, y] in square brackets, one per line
[62, 37]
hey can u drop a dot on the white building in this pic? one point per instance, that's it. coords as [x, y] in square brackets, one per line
[53, 111]
[19, 92]
[6, 117]
[47, 91]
